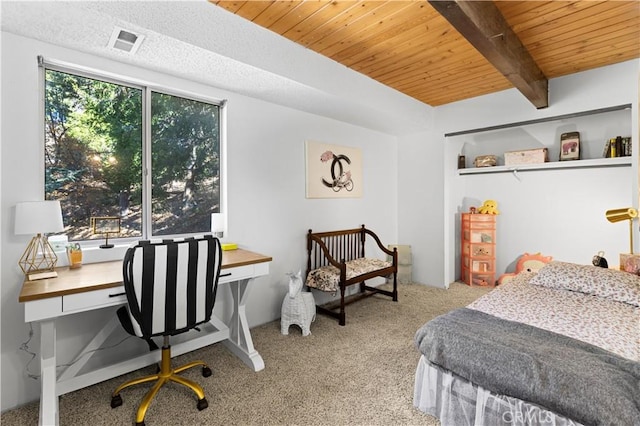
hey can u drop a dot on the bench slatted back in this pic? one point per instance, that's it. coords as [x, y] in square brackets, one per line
[342, 245]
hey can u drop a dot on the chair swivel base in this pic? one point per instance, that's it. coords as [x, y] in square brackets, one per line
[165, 375]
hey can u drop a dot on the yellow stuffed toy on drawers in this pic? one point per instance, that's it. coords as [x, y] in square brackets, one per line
[528, 156]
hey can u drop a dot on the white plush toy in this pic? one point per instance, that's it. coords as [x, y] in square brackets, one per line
[298, 307]
[295, 284]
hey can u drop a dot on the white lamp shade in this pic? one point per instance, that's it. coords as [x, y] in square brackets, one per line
[218, 222]
[36, 217]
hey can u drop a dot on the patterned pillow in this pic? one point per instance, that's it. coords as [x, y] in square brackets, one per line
[609, 283]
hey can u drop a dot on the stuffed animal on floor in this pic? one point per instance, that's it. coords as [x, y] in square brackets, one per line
[489, 207]
[526, 263]
[298, 307]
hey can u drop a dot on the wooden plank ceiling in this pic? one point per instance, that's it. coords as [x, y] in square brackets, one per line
[409, 46]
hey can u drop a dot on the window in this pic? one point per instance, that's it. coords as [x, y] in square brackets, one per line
[185, 166]
[113, 148]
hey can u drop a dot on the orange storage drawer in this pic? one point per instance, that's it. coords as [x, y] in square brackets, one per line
[478, 246]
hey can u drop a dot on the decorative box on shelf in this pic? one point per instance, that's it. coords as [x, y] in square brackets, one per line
[485, 161]
[528, 156]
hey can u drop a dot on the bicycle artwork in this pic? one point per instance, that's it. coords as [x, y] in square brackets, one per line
[340, 179]
[333, 171]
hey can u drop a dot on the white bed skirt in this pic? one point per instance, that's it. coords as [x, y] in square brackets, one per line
[457, 402]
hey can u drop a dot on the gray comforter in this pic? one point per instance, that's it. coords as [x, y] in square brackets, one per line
[572, 378]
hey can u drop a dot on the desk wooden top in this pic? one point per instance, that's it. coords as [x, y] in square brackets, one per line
[96, 276]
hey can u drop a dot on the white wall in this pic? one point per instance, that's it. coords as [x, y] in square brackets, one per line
[266, 193]
[421, 196]
[559, 213]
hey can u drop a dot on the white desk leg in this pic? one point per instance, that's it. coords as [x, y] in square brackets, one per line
[48, 392]
[95, 343]
[240, 342]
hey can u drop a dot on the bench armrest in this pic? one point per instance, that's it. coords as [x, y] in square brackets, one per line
[325, 251]
[393, 253]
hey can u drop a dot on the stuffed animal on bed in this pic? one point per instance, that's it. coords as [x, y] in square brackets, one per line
[489, 207]
[526, 263]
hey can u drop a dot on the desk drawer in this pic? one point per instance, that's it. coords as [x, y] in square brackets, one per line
[94, 299]
[234, 274]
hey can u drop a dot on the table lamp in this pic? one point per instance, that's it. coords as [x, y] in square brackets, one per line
[218, 224]
[627, 213]
[38, 217]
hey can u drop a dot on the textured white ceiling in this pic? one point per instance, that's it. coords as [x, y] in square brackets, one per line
[204, 43]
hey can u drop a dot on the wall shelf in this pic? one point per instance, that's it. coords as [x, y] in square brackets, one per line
[542, 120]
[574, 164]
[596, 127]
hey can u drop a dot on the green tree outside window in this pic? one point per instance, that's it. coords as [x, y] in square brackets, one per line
[94, 157]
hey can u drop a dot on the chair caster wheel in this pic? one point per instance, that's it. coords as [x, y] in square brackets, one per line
[206, 371]
[202, 404]
[116, 401]
[140, 423]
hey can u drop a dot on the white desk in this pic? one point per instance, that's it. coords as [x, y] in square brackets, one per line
[99, 285]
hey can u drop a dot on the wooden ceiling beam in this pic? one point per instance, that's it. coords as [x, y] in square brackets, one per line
[482, 24]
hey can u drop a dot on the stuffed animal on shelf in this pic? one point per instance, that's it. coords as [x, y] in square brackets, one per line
[489, 207]
[526, 263]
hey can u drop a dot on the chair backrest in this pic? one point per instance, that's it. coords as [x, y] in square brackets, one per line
[171, 285]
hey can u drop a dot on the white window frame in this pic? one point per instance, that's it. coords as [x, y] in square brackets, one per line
[147, 88]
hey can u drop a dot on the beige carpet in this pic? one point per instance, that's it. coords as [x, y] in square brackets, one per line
[360, 374]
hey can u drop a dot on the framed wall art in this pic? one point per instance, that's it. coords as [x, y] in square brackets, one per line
[333, 171]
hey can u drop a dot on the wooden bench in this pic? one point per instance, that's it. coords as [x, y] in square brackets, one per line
[336, 260]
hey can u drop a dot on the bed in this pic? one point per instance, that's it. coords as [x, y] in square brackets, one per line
[557, 347]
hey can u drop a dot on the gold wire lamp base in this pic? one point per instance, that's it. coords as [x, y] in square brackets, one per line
[38, 260]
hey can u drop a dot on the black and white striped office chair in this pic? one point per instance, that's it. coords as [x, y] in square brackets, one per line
[171, 288]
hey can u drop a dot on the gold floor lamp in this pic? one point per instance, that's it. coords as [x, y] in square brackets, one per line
[627, 213]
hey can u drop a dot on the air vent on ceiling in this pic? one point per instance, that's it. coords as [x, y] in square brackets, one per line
[125, 40]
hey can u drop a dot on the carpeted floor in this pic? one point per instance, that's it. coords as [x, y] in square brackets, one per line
[360, 374]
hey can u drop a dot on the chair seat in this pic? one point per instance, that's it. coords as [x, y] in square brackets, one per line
[327, 278]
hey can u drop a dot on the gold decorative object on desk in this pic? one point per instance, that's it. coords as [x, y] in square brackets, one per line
[105, 225]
